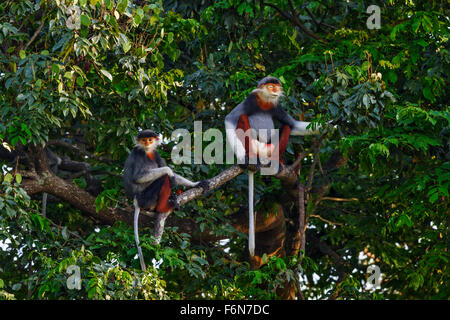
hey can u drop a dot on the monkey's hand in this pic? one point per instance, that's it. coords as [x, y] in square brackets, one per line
[172, 181]
[169, 172]
[204, 184]
[335, 123]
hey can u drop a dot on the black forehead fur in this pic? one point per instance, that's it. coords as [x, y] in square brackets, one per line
[147, 134]
[267, 80]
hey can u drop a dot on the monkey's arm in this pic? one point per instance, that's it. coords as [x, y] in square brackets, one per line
[231, 121]
[298, 128]
[154, 174]
[184, 182]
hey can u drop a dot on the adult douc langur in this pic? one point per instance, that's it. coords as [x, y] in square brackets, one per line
[148, 181]
[251, 133]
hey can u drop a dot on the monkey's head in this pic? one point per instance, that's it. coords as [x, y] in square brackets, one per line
[268, 92]
[147, 140]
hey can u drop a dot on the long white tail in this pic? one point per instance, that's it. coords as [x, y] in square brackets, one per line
[251, 216]
[136, 234]
[44, 204]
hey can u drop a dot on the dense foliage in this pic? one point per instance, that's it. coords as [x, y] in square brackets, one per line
[90, 73]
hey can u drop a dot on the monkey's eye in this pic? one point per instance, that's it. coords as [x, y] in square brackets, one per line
[146, 140]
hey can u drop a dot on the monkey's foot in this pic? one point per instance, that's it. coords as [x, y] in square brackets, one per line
[172, 201]
[245, 164]
[204, 184]
[254, 166]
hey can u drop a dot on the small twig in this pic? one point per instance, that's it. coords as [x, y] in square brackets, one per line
[313, 167]
[70, 232]
[294, 19]
[16, 167]
[301, 206]
[339, 199]
[73, 147]
[35, 34]
[301, 26]
[320, 167]
[319, 23]
[305, 153]
[325, 220]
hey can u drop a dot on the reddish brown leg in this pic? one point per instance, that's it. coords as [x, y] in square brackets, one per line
[164, 194]
[244, 125]
[284, 139]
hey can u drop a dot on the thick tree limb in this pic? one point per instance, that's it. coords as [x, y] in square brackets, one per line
[270, 229]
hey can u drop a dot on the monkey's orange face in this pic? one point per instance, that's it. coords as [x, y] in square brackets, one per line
[268, 95]
[147, 142]
[272, 89]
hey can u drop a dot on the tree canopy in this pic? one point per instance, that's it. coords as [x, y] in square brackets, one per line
[79, 78]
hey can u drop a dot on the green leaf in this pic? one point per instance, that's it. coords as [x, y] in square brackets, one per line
[170, 37]
[392, 76]
[126, 46]
[22, 54]
[137, 19]
[422, 43]
[107, 74]
[8, 178]
[122, 6]
[428, 93]
[85, 20]
[68, 75]
[64, 233]
[55, 68]
[434, 197]
[16, 286]
[80, 81]
[415, 25]
[109, 4]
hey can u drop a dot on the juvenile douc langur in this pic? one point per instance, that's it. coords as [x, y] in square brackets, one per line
[148, 181]
[250, 132]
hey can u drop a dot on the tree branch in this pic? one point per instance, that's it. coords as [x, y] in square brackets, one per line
[76, 149]
[318, 23]
[36, 33]
[340, 199]
[293, 18]
[301, 26]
